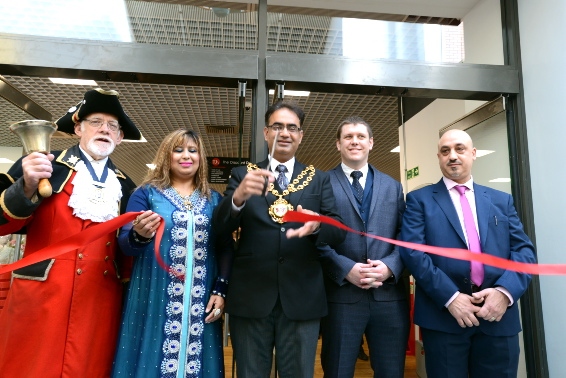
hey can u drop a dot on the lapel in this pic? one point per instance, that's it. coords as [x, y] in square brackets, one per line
[377, 195]
[346, 187]
[269, 198]
[65, 164]
[442, 197]
[72, 156]
[483, 203]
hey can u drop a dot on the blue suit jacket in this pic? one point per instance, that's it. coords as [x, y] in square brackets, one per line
[386, 212]
[430, 218]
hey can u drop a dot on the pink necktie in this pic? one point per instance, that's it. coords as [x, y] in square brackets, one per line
[473, 238]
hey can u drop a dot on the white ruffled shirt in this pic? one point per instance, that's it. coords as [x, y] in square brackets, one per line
[84, 197]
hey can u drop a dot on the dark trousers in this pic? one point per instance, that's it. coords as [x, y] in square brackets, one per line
[254, 342]
[386, 326]
[470, 354]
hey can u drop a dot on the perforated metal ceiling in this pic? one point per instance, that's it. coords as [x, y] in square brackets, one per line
[160, 109]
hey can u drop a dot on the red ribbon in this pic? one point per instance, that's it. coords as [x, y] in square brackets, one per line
[93, 233]
[454, 253]
[84, 237]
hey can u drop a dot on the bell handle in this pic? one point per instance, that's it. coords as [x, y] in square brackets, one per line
[44, 188]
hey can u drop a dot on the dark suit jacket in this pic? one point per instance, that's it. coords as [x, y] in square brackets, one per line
[387, 207]
[431, 219]
[267, 264]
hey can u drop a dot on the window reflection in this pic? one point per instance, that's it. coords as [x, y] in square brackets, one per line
[101, 20]
[374, 39]
[365, 38]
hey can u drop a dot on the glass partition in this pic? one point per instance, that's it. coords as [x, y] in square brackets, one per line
[491, 167]
[365, 38]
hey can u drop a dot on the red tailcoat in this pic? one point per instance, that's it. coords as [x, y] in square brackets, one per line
[66, 325]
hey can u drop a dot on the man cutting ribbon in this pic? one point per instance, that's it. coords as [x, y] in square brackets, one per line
[276, 296]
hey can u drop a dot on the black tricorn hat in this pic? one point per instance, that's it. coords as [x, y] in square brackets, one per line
[98, 101]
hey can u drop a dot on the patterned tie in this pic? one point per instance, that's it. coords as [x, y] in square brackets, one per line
[358, 190]
[473, 238]
[282, 179]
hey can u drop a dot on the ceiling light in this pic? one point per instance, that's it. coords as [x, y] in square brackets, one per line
[6, 161]
[480, 153]
[396, 149]
[501, 179]
[57, 80]
[151, 166]
[292, 93]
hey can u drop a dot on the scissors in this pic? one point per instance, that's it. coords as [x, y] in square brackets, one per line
[266, 182]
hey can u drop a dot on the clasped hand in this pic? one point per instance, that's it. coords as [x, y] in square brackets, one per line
[466, 312]
[495, 304]
[370, 275]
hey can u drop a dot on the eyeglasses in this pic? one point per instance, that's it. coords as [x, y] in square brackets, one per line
[279, 127]
[97, 124]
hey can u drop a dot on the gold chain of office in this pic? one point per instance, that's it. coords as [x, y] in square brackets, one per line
[280, 207]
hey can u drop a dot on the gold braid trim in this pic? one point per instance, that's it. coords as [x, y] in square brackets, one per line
[291, 188]
[280, 207]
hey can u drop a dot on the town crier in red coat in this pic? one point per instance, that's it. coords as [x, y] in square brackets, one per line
[61, 316]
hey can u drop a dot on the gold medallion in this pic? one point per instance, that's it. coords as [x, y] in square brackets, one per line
[279, 209]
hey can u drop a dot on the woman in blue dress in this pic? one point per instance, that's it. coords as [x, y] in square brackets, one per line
[170, 324]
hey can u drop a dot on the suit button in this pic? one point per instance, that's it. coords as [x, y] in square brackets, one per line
[108, 244]
[79, 271]
[106, 258]
[465, 280]
[105, 272]
[81, 256]
[281, 259]
[282, 229]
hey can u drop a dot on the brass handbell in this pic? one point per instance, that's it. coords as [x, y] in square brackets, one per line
[36, 137]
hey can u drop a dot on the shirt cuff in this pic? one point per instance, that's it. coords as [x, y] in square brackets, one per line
[237, 209]
[451, 299]
[507, 293]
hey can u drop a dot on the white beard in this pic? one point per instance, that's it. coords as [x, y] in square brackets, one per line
[93, 147]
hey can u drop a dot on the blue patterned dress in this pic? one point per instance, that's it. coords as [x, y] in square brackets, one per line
[163, 333]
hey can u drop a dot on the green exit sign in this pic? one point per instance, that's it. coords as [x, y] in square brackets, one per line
[412, 173]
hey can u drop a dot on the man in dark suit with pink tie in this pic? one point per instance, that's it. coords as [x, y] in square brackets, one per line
[468, 314]
[363, 276]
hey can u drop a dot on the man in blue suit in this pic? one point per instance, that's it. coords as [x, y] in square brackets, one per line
[363, 276]
[468, 314]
